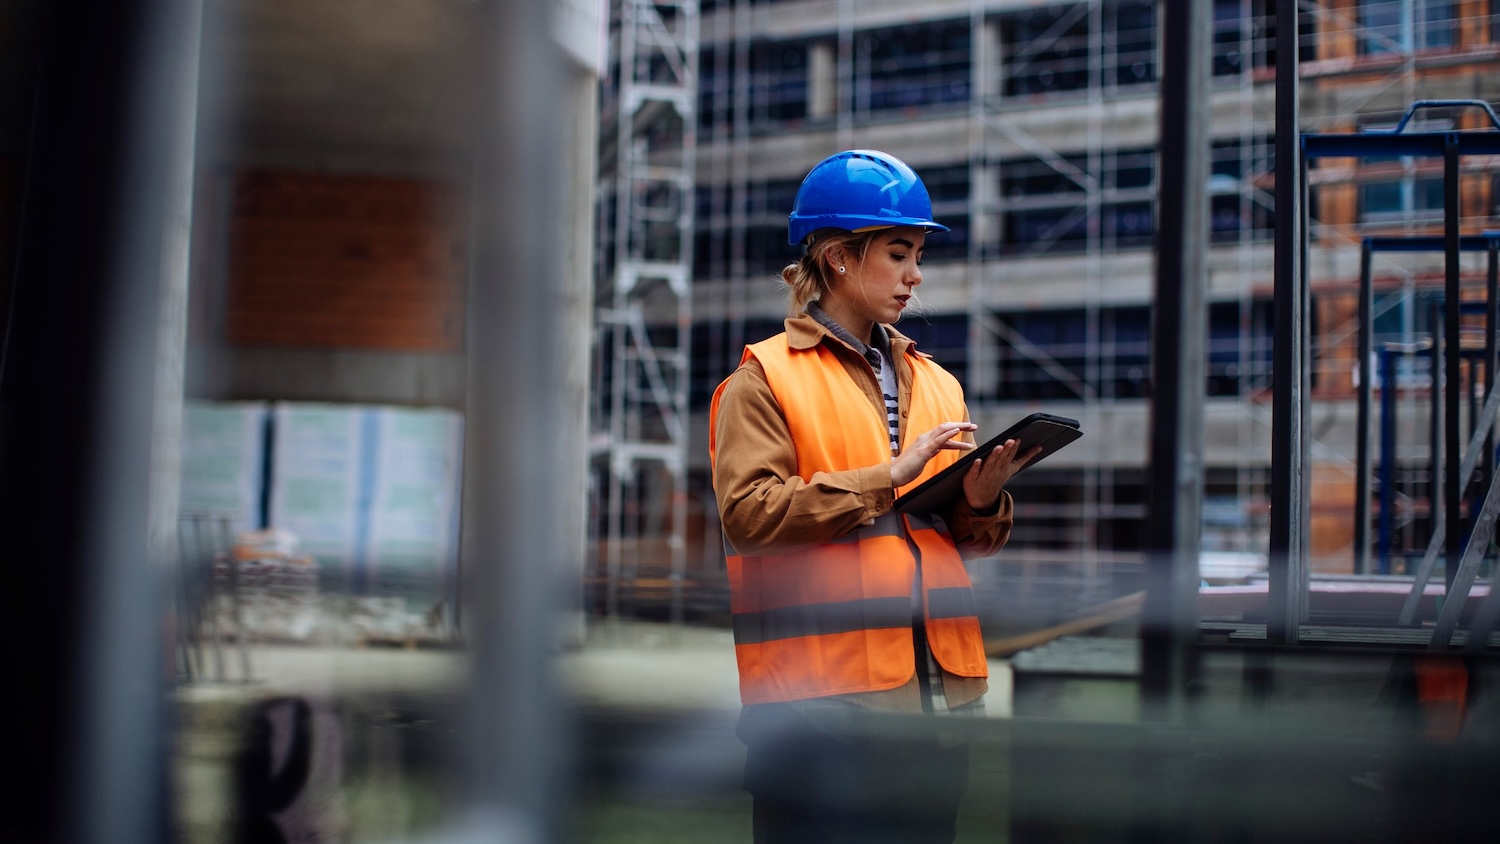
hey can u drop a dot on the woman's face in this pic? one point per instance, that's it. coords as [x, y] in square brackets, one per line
[877, 286]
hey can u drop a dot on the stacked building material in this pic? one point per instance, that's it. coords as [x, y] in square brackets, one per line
[271, 587]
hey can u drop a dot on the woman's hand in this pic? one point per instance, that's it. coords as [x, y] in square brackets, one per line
[988, 475]
[909, 463]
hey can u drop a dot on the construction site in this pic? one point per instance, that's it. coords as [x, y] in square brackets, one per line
[355, 389]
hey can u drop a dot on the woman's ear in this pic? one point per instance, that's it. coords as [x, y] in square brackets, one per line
[837, 258]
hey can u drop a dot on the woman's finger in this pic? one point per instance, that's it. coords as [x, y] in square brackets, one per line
[943, 436]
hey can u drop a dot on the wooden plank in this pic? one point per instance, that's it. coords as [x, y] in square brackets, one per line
[1100, 616]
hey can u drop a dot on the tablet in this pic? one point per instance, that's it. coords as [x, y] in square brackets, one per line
[1043, 429]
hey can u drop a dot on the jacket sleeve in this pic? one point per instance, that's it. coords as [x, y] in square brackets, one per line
[981, 534]
[764, 506]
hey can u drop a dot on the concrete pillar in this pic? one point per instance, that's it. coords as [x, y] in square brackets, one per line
[989, 47]
[822, 79]
[576, 25]
[984, 222]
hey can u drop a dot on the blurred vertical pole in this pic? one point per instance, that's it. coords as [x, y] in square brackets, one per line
[1170, 620]
[1364, 399]
[1438, 496]
[1287, 552]
[1387, 525]
[1453, 485]
[90, 405]
[512, 750]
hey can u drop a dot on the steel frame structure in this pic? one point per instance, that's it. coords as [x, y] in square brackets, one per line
[1488, 243]
[1456, 466]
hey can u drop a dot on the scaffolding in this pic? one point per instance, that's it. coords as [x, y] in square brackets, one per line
[639, 429]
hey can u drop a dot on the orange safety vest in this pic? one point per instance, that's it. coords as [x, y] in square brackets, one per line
[837, 618]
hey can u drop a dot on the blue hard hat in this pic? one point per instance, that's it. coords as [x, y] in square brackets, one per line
[860, 189]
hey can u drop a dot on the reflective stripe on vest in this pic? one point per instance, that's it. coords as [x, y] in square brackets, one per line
[837, 618]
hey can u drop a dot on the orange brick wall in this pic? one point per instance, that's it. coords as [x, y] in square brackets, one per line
[1337, 343]
[344, 262]
[1475, 17]
[1336, 31]
[1331, 529]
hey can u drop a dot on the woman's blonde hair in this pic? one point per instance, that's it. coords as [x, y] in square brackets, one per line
[809, 277]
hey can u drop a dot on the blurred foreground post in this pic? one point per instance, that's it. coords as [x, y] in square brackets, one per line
[519, 451]
[1170, 619]
[1287, 586]
[90, 405]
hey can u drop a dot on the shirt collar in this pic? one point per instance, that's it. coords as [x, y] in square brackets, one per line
[809, 329]
[839, 331]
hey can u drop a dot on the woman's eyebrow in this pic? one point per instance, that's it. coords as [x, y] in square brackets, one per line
[901, 241]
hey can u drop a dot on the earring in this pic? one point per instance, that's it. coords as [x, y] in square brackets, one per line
[841, 270]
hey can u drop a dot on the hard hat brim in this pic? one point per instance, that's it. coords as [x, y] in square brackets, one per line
[804, 228]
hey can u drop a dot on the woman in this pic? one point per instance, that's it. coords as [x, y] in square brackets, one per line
[842, 606]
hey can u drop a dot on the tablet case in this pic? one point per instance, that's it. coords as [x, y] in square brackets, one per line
[1043, 429]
